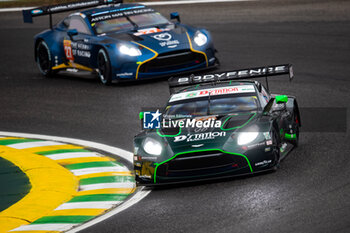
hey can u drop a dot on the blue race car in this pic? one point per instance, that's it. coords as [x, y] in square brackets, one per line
[119, 42]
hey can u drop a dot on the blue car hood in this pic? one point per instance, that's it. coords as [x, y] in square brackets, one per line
[166, 40]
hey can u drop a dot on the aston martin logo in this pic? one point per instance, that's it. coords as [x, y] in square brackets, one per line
[198, 145]
[163, 36]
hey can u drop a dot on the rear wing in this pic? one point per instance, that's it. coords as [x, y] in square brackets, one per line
[249, 73]
[53, 9]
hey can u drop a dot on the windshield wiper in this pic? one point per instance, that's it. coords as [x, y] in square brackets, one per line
[136, 27]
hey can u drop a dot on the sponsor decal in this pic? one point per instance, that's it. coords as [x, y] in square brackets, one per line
[269, 142]
[198, 145]
[73, 6]
[67, 44]
[267, 135]
[199, 136]
[151, 120]
[267, 149]
[72, 49]
[165, 39]
[124, 74]
[163, 36]
[119, 13]
[213, 91]
[283, 147]
[254, 145]
[253, 72]
[149, 31]
[263, 163]
[36, 11]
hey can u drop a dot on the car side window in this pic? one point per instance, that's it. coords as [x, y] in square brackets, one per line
[264, 96]
[77, 23]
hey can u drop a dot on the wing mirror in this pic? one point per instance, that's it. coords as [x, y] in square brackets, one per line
[281, 99]
[72, 32]
[276, 104]
[175, 15]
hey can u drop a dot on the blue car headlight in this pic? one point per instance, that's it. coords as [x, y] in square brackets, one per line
[200, 39]
[129, 50]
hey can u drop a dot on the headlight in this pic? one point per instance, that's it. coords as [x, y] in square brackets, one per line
[151, 146]
[129, 50]
[246, 137]
[200, 39]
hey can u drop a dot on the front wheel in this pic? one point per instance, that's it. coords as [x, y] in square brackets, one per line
[295, 127]
[104, 67]
[276, 143]
[43, 58]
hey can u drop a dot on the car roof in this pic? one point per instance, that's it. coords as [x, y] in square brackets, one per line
[214, 89]
[215, 85]
[119, 7]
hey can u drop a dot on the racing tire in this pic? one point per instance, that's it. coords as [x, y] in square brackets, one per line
[43, 59]
[276, 148]
[295, 126]
[104, 67]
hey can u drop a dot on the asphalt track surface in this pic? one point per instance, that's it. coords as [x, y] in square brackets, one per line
[309, 193]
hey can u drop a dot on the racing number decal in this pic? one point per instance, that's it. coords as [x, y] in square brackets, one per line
[67, 44]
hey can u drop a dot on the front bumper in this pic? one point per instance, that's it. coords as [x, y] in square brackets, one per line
[196, 166]
[166, 64]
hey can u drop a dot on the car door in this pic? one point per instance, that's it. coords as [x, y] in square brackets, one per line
[77, 42]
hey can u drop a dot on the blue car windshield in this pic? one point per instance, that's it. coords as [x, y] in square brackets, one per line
[127, 24]
[217, 106]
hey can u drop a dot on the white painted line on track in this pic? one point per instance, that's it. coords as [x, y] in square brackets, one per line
[72, 155]
[140, 194]
[158, 3]
[106, 186]
[113, 150]
[85, 171]
[45, 227]
[88, 205]
[26, 145]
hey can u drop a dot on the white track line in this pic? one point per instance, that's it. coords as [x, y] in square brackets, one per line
[26, 145]
[113, 150]
[158, 3]
[106, 186]
[45, 227]
[72, 155]
[140, 193]
[88, 205]
[92, 170]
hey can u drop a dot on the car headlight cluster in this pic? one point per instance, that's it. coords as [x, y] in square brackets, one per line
[246, 137]
[200, 39]
[152, 146]
[129, 50]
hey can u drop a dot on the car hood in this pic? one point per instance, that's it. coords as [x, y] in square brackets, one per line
[158, 39]
[192, 139]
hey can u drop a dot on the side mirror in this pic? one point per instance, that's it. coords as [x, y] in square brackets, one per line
[72, 32]
[141, 115]
[175, 15]
[281, 99]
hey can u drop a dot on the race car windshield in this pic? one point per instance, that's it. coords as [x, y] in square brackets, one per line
[112, 25]
[150, 19]
[130, 22]
[217, 106]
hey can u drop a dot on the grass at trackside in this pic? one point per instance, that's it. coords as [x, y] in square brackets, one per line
[24, 3]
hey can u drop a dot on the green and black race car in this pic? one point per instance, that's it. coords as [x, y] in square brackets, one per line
[218, 125]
